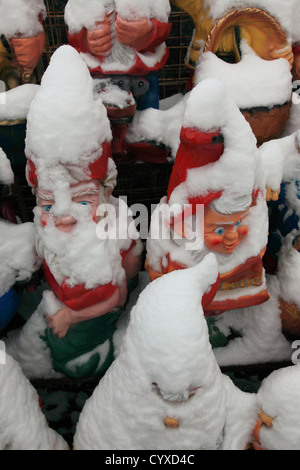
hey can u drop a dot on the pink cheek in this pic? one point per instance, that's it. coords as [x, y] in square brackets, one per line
[213, 240]
[243, 230]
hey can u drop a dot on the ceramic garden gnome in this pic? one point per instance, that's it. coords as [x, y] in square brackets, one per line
[23, 425]
[217, 186]
[277, 426]
[165, 390]
[90, 260]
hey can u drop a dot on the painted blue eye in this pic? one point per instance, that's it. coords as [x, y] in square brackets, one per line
[84, 203]
[219, 230]
[46, 208]
[237, 225]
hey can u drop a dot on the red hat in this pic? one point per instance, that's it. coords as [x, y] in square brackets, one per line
[197, 148]
[98, 169]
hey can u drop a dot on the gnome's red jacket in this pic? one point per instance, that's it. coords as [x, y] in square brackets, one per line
[162, 31]
[78, 297]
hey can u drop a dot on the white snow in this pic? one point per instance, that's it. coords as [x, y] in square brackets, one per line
[77, 15]
[21, 17]
[6, 173]
[165, 356]
[18, 257]
[23, 426]
[252, 81]
[16, 102]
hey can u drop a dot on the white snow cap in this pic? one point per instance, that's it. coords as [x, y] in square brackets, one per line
[285, 11]
[21, 17]
[172, 306]
[66, 125]
[80, 13]
[6, 173]
[278, 397]
[209, 108]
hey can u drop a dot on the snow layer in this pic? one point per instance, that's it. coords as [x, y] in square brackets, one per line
[18, 256]
[22, 423]
[165, 357]
[285, 11]
[77, 15]
[252, 81]
[21, 17]
[278, 396]
[16, 102]
[6, 174]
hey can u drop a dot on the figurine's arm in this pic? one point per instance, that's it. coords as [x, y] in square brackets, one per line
[64, 318]
[97, 41]
[141, 34]
[28, 51]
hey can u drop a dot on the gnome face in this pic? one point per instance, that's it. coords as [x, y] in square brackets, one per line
[223, 232]
[84, 193]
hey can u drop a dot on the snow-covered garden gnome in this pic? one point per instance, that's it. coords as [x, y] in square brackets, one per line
[123, 44]
[23, 426]
[22, 40]
[217, 186]
[90, 267]
[122, 39]
[165, 390]
[278, 424]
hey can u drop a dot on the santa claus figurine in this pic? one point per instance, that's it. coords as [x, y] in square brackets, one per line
[89, 268]
[22, 40]
[215, 203]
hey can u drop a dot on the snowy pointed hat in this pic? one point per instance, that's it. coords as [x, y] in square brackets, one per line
[168, 326]
[68, 134]
[217, 158]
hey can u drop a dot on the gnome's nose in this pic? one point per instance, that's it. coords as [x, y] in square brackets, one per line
[65, 223]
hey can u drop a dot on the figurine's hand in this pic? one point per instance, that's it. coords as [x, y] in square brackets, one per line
[60, 322]
[100, 40]
[135, 34]
[272, 195]
[28, 51]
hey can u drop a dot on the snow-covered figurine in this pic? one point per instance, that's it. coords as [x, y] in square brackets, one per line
[278, 424]
[90, 268]
[217, 176]
[123, 44]
[165, 389]
[23, 425]
[18, 256]
[22, 40]
[248, 46]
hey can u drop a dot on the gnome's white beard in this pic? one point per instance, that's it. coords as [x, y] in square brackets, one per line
[79, 256]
